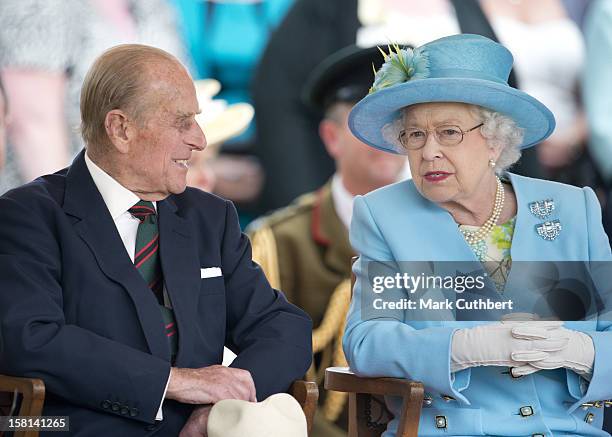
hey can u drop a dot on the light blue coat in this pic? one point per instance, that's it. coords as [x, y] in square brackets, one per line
[396, 223]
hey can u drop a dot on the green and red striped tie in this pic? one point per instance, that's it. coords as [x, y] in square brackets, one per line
[146, 260]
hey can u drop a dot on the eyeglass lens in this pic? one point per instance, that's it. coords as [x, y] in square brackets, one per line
[447, 135]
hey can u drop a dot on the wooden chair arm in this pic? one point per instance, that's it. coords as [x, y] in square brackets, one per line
[412, 392]
[307, 394]
[342, 379]
[33, 397]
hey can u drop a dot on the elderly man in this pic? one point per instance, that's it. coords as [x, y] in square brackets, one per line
[119, 287]
[304, 247]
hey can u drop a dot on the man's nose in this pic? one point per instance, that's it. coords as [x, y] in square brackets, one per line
[197, 139]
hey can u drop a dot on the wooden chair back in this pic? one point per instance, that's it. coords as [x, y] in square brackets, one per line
[27, 393]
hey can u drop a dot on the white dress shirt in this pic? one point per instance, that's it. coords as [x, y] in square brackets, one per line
[343, 200]
[119, 200]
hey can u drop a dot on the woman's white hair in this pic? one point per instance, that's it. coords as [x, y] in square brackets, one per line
[503, 132]
[498, 129]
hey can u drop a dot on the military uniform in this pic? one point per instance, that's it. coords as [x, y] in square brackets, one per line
[305, 251]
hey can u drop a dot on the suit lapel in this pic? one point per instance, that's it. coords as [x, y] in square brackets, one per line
[95, 226]
[181, 268]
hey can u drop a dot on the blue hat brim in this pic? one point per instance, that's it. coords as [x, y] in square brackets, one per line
[373, 112]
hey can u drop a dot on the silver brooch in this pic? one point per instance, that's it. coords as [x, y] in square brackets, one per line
[549, 230]
[542, 208]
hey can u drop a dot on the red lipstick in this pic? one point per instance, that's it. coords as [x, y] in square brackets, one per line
[436, 176]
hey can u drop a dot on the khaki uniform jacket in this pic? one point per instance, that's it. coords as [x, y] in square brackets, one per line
[305, 251]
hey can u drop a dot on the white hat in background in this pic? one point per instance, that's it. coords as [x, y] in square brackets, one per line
[218, 120]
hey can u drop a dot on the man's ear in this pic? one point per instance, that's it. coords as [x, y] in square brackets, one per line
[118, 129]
[329, 132]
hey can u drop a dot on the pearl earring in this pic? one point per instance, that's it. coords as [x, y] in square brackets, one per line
[492, 163]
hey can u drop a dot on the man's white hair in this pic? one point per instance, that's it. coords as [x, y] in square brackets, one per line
[498, 129]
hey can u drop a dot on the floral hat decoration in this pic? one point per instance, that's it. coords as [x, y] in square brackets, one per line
[401, 65]
[459, 68]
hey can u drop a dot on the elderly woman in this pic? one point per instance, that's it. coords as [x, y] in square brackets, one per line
[447, 106]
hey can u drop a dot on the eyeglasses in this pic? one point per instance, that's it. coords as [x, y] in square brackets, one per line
[446, 135]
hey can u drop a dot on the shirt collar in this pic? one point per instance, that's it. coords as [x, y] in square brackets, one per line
[117, 198]
[343, 200]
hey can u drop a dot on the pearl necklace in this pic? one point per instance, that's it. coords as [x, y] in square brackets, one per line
[474, 237]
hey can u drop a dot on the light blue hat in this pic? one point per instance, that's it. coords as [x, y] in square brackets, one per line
[460, 68]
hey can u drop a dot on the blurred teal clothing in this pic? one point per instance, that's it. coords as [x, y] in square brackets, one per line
[597, 84]
[396, 223]
[226, 39]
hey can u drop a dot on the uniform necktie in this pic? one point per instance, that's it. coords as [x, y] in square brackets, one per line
[147, 261]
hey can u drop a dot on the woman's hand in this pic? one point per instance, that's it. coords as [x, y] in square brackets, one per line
[496, 344]
[578, 355]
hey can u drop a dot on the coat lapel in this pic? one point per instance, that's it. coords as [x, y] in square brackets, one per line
[94, 224]
[527, 245]
[524, 225]
[329, 231]
[181, 268]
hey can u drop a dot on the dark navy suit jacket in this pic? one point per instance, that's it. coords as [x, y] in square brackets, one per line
[76, 313]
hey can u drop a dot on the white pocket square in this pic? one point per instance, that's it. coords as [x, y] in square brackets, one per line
[210, 272]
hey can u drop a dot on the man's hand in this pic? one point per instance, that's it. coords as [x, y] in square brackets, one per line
[197, 423]
[208, 385]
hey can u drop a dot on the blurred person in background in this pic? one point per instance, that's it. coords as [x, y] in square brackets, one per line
[220, 122]
[225, 39]
[304, 248]
[45, 50]
[548, 49]
[597, 92]
[547, 46]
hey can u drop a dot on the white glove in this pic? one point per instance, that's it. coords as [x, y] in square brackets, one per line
[493, 344]
[521, 317]
[579, 355]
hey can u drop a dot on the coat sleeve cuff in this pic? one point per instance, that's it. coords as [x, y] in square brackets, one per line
[599, 388]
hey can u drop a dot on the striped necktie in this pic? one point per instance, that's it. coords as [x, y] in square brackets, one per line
[146, 255]
[146, 260]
